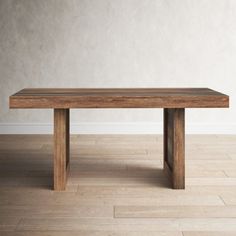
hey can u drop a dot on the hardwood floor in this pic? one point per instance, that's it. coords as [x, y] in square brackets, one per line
[117, 187]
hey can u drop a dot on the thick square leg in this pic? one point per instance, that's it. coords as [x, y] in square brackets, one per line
[61, 147]
[174, 146]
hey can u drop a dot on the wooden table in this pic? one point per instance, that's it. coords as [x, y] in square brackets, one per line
[172, 100]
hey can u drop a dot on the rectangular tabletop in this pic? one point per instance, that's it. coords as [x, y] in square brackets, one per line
[65, 98]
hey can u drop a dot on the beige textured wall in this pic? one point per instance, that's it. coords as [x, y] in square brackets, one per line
[117, 43]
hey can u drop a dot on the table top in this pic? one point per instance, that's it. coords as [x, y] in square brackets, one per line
[118, 98]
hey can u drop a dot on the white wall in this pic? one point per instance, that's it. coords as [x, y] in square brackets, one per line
[117, 43]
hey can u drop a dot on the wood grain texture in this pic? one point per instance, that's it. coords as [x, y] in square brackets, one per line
[110, 184]
[174, 146]
[175, 211]
[128, 224]
[94, 233]
[61, 148]
[208, 233]
[119, 98]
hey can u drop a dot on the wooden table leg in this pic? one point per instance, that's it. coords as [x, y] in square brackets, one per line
[174, 142]
[61, 147]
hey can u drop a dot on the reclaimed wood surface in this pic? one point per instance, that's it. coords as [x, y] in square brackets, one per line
[118, 98]
[174, 146]
[61, 148]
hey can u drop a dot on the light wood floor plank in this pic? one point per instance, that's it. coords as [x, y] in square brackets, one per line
[128, 224]
[92, 233]
[175, 211]
[71, 199]
[8, 223]
[222, 233]
[150, 192]
[211, 181]
[56, 211]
